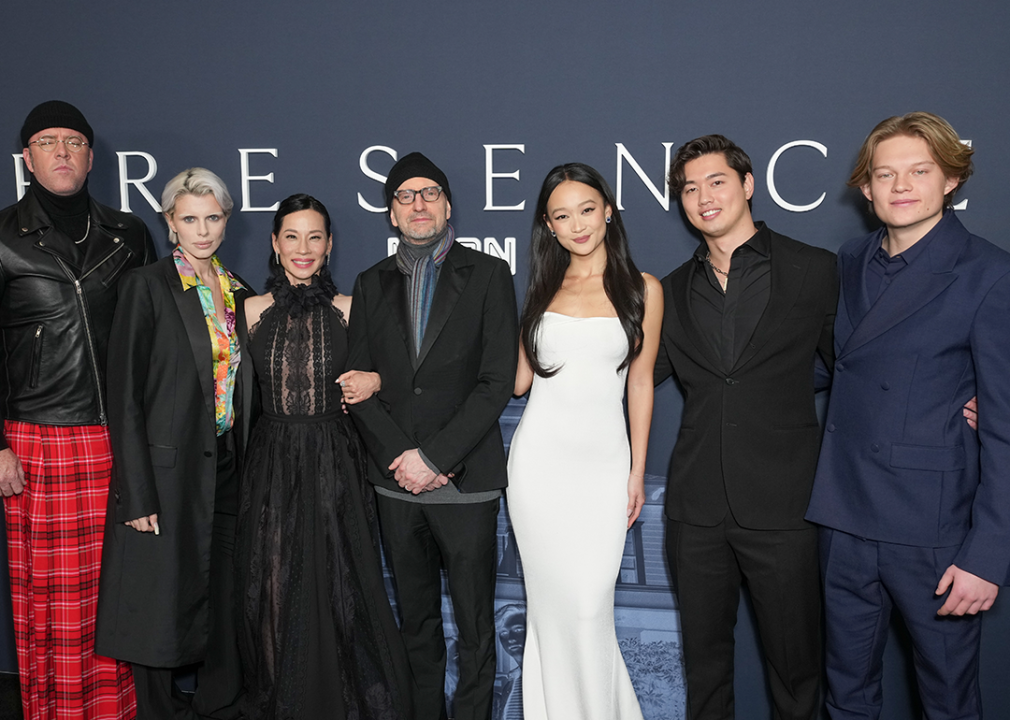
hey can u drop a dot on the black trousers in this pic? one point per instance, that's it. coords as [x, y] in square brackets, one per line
[219, 676]
[419, 539]
[780, 568]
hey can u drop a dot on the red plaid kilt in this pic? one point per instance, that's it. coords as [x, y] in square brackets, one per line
[54, 544]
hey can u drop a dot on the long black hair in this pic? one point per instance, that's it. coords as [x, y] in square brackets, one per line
[549, 261]
[292, 204]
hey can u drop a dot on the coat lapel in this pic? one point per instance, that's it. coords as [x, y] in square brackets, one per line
[195, 323]
[852, 277]
[245, 379]
[912, 288]
[394, 292]
[102, 242]
[451, 281]
[682, 302]
[789, 269]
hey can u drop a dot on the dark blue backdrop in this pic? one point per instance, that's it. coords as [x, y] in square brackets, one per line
[285, 97]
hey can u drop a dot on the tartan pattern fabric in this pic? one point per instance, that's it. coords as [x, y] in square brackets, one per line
[54, 543]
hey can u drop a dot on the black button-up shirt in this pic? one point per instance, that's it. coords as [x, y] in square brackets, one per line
[728, 318]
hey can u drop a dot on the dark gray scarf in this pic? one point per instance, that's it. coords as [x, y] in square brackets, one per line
[420, 264]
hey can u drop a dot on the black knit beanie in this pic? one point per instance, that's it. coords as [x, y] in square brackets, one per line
[415, 165]
[55, 114]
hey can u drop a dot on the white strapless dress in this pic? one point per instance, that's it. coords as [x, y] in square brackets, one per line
[568, 498]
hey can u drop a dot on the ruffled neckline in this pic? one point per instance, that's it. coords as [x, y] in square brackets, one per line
[295, 300]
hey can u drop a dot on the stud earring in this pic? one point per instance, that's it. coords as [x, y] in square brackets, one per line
[553, 234]
[608, 219]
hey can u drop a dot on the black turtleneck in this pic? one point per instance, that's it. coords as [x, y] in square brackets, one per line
[69, 215]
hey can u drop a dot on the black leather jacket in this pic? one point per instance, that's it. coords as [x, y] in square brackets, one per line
[55, 317]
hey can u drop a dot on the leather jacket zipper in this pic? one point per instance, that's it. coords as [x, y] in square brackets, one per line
[82, 303]
[33, 378]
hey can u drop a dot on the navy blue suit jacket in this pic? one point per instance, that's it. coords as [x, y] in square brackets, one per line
[898, 462]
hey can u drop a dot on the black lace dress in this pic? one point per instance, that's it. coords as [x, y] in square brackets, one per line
[318, 637]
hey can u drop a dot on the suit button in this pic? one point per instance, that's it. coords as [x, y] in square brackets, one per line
[874, 447]
[885, 385]
[729, 424]
[731, 381]
[417, 391]
[839, 366]
[208, 453]
[831, 427]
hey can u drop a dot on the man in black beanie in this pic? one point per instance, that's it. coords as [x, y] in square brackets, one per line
[61, 255]
[437, 321]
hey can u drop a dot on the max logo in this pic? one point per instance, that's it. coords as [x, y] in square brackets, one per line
[488, 246]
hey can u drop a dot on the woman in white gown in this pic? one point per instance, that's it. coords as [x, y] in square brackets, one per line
[590, 328]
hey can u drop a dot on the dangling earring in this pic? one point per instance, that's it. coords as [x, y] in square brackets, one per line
[608, 219]
[326, 262]
[278, 256]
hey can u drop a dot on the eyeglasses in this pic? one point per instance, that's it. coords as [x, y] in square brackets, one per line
[428, 194]
[74, 145]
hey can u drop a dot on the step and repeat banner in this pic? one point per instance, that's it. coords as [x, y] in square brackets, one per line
[322, 97]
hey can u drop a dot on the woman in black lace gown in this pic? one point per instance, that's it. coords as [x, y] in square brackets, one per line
[319, 639]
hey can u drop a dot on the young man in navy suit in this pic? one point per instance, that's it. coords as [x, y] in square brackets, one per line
[914, 505]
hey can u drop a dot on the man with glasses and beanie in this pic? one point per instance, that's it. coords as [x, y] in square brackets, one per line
[61, 255]
[437, 321]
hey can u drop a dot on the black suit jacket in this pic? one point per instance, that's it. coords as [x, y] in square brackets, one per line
[446, 401]
[749, 438]
[153, 598]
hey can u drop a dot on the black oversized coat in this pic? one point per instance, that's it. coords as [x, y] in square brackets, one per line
[154, 590]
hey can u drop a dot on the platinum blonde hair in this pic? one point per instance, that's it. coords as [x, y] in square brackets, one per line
[195, 181]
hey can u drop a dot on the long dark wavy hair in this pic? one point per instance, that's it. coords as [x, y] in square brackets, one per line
[549, 261]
